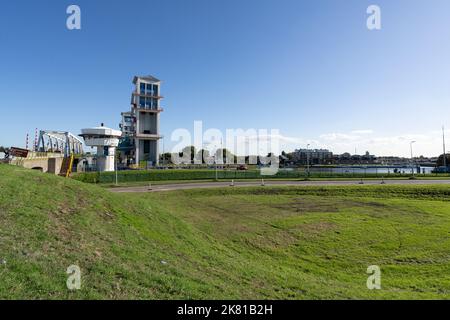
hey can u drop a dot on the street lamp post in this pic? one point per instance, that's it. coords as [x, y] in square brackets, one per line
[117, 168]
[412, 158]
[163, 152]
[443, 143]
[221, 156]
[216, 165]
[307, 160]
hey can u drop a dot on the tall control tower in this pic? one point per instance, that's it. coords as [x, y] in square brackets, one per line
[140, 126]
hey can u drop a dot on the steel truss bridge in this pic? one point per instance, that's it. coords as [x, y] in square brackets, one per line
[59, 142]
[54, 152]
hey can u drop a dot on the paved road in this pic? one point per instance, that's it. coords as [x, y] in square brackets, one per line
[202, 185]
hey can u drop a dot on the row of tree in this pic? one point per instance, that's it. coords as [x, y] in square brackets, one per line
[190, 154]
[440, 161]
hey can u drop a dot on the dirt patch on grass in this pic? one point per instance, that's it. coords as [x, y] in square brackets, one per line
[316, 227]
[270, 239]
[279, 238]
[302, 205]
[59, 225]
[309, 205]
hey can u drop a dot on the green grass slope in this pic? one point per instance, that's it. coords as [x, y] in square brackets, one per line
[249, 243]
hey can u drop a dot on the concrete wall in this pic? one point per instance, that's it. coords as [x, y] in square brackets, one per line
[54, 165]
[147, 123]
[48, 165]
[152, 151]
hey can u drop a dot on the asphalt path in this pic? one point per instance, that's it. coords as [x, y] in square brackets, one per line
[203, 185]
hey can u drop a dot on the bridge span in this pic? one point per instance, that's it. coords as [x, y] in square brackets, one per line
[56, 152]
[42, 161]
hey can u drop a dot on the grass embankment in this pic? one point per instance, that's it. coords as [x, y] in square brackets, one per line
[227, 243]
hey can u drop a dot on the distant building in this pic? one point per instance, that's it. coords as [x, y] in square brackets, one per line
[392, 161]
[313, 156]
[348, 159]
[127, 126]
[140, 126]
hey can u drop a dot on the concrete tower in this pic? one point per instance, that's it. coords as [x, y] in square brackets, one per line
[140, 126]
[105, 140]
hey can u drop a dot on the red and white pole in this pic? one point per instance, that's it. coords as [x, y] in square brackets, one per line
[35, 140]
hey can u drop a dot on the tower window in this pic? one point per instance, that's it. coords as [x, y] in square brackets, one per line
[146, 146]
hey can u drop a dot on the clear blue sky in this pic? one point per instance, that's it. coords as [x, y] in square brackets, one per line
[309, 68]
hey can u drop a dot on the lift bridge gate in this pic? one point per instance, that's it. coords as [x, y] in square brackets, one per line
[59, 142]
[61, 146]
